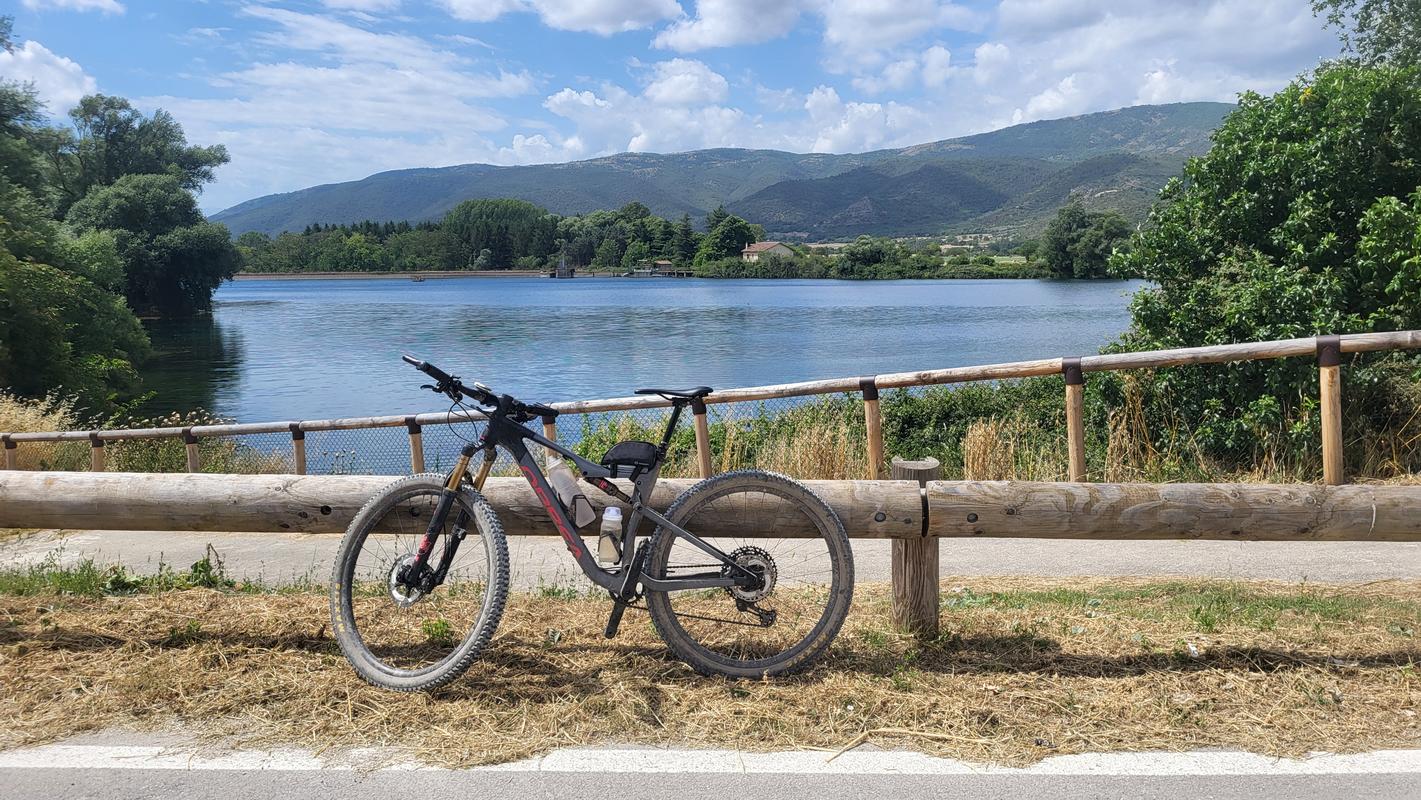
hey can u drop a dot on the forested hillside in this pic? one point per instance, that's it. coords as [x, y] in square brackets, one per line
[994, 180]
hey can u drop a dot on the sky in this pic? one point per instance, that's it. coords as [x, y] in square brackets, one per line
[304, 92]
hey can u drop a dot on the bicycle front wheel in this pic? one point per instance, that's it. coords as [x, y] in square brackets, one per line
[402, 638]
[780, 530]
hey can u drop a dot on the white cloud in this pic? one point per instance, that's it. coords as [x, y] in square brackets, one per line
[1063, 99]
[106, 6]
[1027, 19]
[841, 127]
[895, 76]
[59, 81]
[777, 99]
[723, 23]
[991, 60]
[604, 17]
[931, 68]
[1051, 58]
[340, 102]
[677, 111]
[684, 82]
[481, 10]
[858, 29]
[362, 5]
[862, 29]
[341, 97]
[937, 63]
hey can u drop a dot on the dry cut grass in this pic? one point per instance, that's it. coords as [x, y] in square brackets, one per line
[52, 414]
[1024, 669]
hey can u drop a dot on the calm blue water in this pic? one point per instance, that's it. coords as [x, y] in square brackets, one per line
[309, 349]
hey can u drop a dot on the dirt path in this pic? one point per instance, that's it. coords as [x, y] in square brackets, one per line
[283, 558]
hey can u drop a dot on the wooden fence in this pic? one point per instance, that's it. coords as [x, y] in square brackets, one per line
[915, 510]
[1327, 349]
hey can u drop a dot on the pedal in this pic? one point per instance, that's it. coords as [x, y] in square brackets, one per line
[615, 620]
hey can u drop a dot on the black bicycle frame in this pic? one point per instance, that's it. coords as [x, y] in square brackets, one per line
[622, 580]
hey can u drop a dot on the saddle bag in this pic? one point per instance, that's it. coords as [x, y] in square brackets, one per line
[630, 459]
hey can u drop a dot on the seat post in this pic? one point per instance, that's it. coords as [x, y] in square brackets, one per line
[676, 406]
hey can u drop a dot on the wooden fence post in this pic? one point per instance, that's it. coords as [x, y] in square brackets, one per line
[1329, 365]
[298, 449]
[416, 446]
[550, 432]
[703, 447]
[915, 561]
[873, 426]
[96, 453]
[11, 457]
[194, 456]
[1075, 416]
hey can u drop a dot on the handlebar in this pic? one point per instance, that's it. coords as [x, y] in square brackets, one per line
[453, 388]
[428, 369]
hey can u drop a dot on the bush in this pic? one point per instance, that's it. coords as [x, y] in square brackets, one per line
[1301, 220]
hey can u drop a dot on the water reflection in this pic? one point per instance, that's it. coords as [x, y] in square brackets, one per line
[196, 364]
[320, 348]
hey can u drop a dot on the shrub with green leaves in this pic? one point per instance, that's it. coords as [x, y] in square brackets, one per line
[1301, 220]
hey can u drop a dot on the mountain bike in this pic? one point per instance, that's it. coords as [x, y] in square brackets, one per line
[747, 574]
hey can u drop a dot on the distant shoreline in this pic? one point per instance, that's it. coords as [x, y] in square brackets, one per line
[524, 273]
[308, 276]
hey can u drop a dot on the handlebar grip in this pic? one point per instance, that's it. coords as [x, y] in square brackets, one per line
[427, 368]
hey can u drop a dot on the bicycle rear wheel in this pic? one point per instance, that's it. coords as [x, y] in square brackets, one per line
[402, 638]
[777, 528]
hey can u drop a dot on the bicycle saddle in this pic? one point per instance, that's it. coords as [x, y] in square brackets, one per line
[688, 394]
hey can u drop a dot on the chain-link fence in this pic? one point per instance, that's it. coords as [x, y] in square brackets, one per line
[1002, 421]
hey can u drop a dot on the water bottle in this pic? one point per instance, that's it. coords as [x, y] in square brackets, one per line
[609, 544]
[579, 508]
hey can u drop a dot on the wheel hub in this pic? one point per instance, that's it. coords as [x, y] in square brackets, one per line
[400, 592]
[759, 562]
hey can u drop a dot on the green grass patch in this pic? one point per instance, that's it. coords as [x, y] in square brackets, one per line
[87, 578]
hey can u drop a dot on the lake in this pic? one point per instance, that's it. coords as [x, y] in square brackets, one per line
[309, 349]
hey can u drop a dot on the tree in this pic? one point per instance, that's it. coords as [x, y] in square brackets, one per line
[637, 254]
[113, 139]
[1292, 225]
[1078, 243]
[866, 256]
[715, 217]
[1377, 31]
[508, 229]
[173, 258]
[609, 254]
[725, 240]
[22, 134]
[683, 242]
[62, 328]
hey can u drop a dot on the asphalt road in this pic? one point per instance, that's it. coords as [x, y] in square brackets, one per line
[79, 784]
[284, 557]
[104, 771]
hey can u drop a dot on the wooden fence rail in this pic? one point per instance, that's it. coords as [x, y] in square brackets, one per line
[915, 516]
[915, 513]
[1327, 349]
[884, 509]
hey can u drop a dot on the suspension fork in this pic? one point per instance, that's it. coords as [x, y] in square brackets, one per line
[441, 513]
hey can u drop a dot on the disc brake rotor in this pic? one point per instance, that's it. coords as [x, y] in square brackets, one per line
[402, 595]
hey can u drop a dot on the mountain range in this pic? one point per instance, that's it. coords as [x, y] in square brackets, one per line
[1007, 182]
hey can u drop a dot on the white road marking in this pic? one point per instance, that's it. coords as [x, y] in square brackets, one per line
[589, 760]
